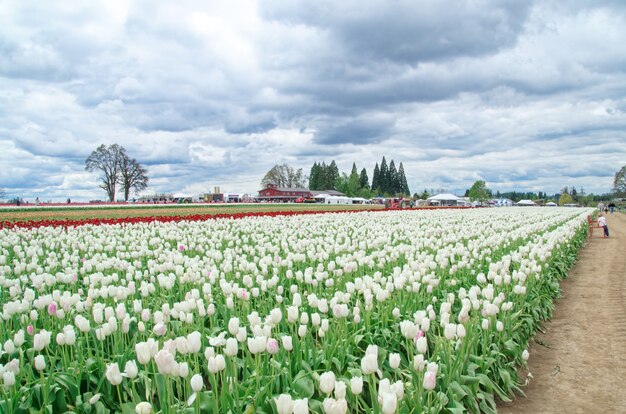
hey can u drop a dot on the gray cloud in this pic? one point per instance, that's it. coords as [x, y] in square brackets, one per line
[526, 95]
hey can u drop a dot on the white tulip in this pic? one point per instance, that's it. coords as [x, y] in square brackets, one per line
[340, 390]
[394, 360]
[327, 382]
[8, 377]
[197, 383]
[142, 351]
[284, 404]
[301, 406]
[356, 385]
[143, 408]
[113, 374]
[131, 370]
[287, 343]
[231, 348]
[40, 363]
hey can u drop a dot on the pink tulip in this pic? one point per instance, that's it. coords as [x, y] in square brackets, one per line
[30, 329]
[430, 380]
[272, 346]
[52, 308]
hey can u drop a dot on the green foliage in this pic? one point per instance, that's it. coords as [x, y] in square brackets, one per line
[392, 179]
[479, 191]
[383, 177]
[364, 181]
[619, 182]
[314, 176]
[324, 177]
[376, 178]
[404, 186]
[565, 199]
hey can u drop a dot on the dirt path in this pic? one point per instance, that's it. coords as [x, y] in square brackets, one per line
[579, 364]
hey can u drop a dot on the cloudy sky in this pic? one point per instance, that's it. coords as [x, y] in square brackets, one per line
[524, 95]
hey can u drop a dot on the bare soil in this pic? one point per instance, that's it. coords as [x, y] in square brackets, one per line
[579, 364]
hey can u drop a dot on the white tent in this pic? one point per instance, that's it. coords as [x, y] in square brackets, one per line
[337, 200]
[526, 203]
[359, 200]
[551, 204]
[445, 199]
[503, 202]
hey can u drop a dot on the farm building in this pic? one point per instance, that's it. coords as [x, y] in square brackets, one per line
[285, 194]
[282, 194]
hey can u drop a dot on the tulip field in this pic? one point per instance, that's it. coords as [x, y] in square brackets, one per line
[347, 312]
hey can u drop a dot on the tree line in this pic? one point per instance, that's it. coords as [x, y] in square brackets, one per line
[114, 167]
[386, 180]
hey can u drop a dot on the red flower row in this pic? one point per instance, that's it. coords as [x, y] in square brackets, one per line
[169, 219]
[161, 219]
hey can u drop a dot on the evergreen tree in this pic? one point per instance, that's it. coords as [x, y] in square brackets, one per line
[383, 176]
[333, 174]
[364, 181]
[354, 170]
[376, 178]
[392, 180]
[314, 176]
[353, 182]
[404, 185]
[322, 180]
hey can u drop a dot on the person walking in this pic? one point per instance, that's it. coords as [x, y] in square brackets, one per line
[601, 206]
[611, 207]
[602, 223]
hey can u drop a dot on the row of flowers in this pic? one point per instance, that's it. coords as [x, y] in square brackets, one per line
[383, 312]
[65, 223]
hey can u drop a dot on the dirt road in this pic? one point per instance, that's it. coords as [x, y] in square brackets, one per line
[579, 364]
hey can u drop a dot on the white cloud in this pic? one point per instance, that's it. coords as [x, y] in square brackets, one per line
[525, 95]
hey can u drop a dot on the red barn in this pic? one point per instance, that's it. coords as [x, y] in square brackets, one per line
[273, 193]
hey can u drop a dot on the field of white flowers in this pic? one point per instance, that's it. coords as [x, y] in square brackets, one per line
[369, 312]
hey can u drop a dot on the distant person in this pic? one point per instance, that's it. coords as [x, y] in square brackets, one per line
[17, 201]
[602, 223]
[611, 207]
[37, 201]
[601, 206]
[69, 201]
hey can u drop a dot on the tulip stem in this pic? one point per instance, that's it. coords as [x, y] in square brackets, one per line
[119, 396]
[374, 393]
[215, 396]
[235, 381]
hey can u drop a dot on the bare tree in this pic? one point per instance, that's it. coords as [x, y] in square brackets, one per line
[105, 161]
[115, 166]
[132, 175]
[2, 192]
